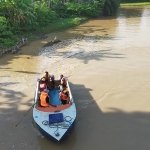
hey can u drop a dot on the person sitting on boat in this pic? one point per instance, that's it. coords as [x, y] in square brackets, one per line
[45, 99]
[46, 76]
[52, 80]
[42, 85]
[64, 95]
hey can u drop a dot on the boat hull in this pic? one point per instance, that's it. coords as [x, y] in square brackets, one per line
[46, 118]
[45, 134]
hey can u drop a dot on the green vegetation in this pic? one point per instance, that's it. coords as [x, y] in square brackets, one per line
[62, 24]
[26, 18]
[111, 7]
[135, 4]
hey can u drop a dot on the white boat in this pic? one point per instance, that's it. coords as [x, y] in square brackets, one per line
[54, 122]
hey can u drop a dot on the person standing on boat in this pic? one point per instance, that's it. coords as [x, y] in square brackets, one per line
[63, 81]
[64, 95]
[45, 99]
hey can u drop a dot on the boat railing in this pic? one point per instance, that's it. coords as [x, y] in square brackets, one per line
[36, 92]
[71, 98]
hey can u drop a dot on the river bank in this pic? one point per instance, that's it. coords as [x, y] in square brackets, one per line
[58, 25]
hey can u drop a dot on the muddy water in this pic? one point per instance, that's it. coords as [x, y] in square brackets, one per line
[107, 61]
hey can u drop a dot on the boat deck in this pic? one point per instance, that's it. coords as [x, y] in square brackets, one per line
[54, 99]
[53, 109]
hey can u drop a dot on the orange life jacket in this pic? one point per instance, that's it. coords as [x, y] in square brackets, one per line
[63, 81]
[64, 95]
[43, 99]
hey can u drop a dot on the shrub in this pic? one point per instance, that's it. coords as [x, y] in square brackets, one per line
[44, 14]
[84, 9]
[111, 7]
[6, 36]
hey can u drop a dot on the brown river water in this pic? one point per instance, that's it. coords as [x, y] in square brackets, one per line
[107, 61]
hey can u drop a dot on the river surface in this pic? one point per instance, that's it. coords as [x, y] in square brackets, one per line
[107, 61]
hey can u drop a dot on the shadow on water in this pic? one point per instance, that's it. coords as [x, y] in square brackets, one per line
[82, 99]
[63, 45]
[95, 129]
[28, 72]
[100, 55]
[11, 95]
[67, 143]
[5, 68]
[8, 83]
[13, 106]
[79, 34]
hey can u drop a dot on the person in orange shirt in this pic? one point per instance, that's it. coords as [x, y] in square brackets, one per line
[45, 99]
[64, 95]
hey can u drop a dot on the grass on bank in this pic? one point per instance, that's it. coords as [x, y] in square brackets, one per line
[63, 24]
[135, 4]
[57, 25]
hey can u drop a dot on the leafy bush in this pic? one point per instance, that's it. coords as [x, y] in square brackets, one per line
[111, 7]
[84, 9]
[44, 14]
[23, 17]
[6, 36]
[61, 10]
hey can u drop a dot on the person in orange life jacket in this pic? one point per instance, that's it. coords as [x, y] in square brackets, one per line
[64, 95]
[45, 99]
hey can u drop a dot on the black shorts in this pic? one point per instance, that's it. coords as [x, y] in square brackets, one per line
[64, 101]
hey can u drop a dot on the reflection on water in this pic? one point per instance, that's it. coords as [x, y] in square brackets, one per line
[107, 60]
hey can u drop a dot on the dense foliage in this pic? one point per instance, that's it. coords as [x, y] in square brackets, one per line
[111, 7]
[6, 35]
[20, 17]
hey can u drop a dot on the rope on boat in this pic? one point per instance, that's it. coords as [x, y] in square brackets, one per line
[61, 125]
[25, 114]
